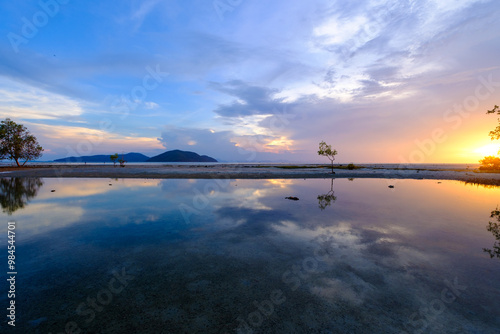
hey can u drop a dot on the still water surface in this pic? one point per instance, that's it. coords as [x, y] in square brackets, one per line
[235, 256]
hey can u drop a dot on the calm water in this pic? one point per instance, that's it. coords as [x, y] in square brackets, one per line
[235, 256]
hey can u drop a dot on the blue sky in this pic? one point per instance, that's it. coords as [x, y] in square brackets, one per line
[249, 80]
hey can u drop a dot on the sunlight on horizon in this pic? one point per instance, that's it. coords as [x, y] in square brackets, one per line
[488, 150]
[469, 147]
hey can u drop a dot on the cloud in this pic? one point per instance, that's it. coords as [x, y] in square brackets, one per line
[81, 141]
[151, 105]
[144, 9]
[250, 100]
[21, 101]
[226, 145]
[337, 30]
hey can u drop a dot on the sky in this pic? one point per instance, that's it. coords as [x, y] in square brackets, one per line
[251, 80]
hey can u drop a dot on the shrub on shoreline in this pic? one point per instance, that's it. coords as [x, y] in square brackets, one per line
[490, 163]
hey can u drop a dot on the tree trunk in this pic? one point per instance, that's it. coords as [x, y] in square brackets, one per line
[17, 162]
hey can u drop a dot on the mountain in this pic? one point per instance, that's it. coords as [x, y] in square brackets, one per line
[129, 157]
[181, 156]
[169, 156]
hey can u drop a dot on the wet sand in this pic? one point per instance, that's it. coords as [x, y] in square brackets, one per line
[245, 171]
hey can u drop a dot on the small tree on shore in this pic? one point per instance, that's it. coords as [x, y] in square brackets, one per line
[492, 162]
[326, 150]
[17, 143]
[113, 158]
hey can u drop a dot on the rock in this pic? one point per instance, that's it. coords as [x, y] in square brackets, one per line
[292, 198]
[53, 191]
[391, 186]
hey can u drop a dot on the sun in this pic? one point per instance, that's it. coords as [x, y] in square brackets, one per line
[488, 150]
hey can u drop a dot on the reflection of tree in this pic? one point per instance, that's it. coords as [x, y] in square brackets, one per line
[326, 199]
[16, 192]
[494, 228]
[487, 183]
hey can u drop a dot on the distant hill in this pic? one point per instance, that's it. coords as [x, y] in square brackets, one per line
[181, 156]
[129, 157]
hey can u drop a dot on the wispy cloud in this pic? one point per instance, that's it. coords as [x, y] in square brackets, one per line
[87, 141]
[139, 14]
[249, 99]
[225, 145]
[21, 101]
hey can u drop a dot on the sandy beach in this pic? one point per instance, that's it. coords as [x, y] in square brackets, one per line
[246, 171]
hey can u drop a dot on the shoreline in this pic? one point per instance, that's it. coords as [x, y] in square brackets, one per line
[245, 171]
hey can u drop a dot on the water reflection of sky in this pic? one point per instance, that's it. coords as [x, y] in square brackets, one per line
[205, 250]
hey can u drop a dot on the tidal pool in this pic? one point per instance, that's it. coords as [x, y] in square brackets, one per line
[235, 256]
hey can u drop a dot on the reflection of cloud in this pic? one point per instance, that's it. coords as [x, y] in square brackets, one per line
[335, 289]
[253, 198]
[258, 192]
[40, 218]
[68, 188]
[74, 188]
[251, 222]
[342, 233]
[281, 183]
